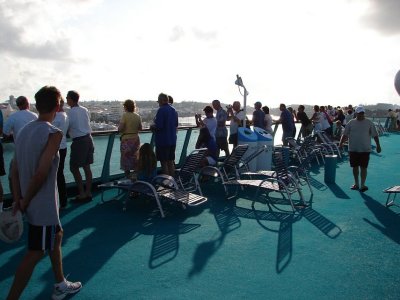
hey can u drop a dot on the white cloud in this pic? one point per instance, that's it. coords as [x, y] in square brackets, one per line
[177, 34]
[383, 16]
[292, 51]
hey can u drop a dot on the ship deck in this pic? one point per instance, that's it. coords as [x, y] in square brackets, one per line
[345, 245]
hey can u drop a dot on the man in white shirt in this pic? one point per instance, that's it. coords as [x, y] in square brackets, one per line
[82, 148]
[221, 133]
[209, 121]
[236, 116]
[359, 132]
[19, 119]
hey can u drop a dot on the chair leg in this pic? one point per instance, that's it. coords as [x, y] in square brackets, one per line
[301, 196]
[390, 202]
[291, 202]
[198, 188]
[159, 205]
[308, 182]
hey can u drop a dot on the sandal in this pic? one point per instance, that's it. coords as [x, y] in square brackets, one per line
[354, 187]
[364, 189]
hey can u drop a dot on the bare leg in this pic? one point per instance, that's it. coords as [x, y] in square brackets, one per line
[355, 174]
[56, 258]
[171, 168]
[363, 176]
[78, 180]
[164, 167]
[24, 273]
[88, 177]
[226, 148]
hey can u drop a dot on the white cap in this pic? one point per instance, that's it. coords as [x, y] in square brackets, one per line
[360, 109]
[11, 227]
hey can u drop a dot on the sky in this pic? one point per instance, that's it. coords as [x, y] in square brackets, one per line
[336, 52]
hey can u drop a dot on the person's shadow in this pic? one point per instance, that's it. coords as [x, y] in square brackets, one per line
[102, 230]
[389, 220]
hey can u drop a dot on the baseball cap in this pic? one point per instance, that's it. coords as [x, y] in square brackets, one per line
[11, 226]
[360, 109]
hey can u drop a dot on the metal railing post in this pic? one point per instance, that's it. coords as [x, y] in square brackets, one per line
[105, 173]
[184, 148]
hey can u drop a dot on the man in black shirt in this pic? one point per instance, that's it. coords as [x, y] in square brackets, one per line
[306, 125]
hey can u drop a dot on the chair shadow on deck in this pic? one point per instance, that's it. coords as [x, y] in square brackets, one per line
[227, 221]
[165, 245]
[285, 221]
[104, 228]
[228, 214]
[324, 225]
[316, 184]
[165, 231]
[388, 219]
[8, 268]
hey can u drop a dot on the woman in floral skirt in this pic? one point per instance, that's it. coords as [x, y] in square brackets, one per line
[129, 128]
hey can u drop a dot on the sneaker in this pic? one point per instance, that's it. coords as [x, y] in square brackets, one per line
[71, 288]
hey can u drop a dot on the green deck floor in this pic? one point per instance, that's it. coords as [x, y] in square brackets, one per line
[344, 246]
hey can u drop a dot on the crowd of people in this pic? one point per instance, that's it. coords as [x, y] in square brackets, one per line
[37, 169]
[341, 124]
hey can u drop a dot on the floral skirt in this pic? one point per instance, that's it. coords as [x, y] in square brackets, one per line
[129, 153]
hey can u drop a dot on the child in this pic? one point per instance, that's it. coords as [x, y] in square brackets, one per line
[206, 141]
[147, 163]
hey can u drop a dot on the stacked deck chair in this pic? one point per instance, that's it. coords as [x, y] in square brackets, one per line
[332, 143]
[306, 148]
[295, 148]
[300, 172]
[187, 175]
[330, 147]
[283, 182]
[227, 169]
[244, 162]
[164, 187]
[380, 128]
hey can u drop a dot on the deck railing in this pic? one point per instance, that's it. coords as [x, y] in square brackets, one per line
[106, 166]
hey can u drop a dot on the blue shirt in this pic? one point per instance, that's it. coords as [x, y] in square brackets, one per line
[287, 121]
[145, 177]
[258, 118]
[211, 146]
[221, 117]
[166, 122]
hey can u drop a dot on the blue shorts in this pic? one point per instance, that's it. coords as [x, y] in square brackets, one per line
[164, 153]
[42, 237]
